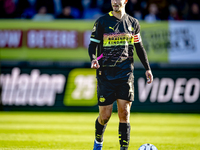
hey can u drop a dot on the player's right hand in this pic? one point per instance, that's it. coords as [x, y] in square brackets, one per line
[95, 64]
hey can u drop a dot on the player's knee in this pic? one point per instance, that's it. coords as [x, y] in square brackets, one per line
[124, 115]
[104, 119]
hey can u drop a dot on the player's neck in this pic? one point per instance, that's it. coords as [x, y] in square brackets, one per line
[119, 14]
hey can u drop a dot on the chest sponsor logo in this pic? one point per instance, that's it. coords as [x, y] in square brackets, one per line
[118, 39]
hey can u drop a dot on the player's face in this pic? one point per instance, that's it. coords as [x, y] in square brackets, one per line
[118, 5]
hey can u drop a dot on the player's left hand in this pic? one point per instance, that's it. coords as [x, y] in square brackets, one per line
[149, 76]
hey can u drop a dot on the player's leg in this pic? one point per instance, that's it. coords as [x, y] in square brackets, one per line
[106, 97]
[104, 116]
[124, 123]
[125, 96]
[100, 125]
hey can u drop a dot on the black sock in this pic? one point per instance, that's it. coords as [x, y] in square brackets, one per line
[99, 130]
[124, 135]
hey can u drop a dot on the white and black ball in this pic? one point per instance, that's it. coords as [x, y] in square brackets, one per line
[147, 147]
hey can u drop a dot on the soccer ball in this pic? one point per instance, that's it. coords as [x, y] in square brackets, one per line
[147, 147]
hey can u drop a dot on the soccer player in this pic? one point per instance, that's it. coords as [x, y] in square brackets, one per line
[113, 37]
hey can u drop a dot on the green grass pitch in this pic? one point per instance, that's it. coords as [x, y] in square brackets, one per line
[75, 131]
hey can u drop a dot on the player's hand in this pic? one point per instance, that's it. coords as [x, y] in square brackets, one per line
[95, 64]
[149, 76]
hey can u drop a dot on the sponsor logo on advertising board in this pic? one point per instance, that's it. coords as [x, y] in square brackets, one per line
[10, 38]
[31, 90]
[81, 88]
[166, 89]
[185, 47]
[36, 89]
[38, 38]
[52, 39]
[77, 89]
[173, 41]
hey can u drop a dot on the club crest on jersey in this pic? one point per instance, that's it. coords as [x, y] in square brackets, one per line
[130, 28]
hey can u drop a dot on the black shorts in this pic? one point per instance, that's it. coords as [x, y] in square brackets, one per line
[109, 91]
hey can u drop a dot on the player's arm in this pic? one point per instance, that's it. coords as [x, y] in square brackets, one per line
[92, 54]
[142, 53]
[95, 39]
[144, 60]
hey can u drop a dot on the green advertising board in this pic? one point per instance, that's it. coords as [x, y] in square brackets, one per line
[35, 87]
[67, 40]
[81, 88]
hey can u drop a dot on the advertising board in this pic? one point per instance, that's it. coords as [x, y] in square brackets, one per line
[184, 39]
[173, 90]
[65, 88]
[81, 88]
[68, 40]
[166, 42]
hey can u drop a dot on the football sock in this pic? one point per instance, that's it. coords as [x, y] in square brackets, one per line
[99, 130]
[124, 135]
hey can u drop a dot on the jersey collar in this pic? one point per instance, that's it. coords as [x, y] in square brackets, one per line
[111, 14]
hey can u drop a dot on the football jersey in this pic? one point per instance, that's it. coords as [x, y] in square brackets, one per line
[115, 38]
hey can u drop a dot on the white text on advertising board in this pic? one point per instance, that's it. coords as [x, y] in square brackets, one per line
[52, 39]
[34, 89]
[85, 87]
[165, 89]
[10, 38]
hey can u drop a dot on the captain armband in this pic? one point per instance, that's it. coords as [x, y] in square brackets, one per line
[137, 38]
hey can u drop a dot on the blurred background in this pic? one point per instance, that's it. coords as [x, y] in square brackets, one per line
[45, 63]
[148, 10]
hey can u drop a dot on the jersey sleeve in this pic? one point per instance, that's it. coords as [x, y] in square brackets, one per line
[97, 33]
[140, 48]
[137, 37]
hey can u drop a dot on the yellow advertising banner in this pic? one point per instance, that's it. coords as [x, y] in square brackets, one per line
[66, 40]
